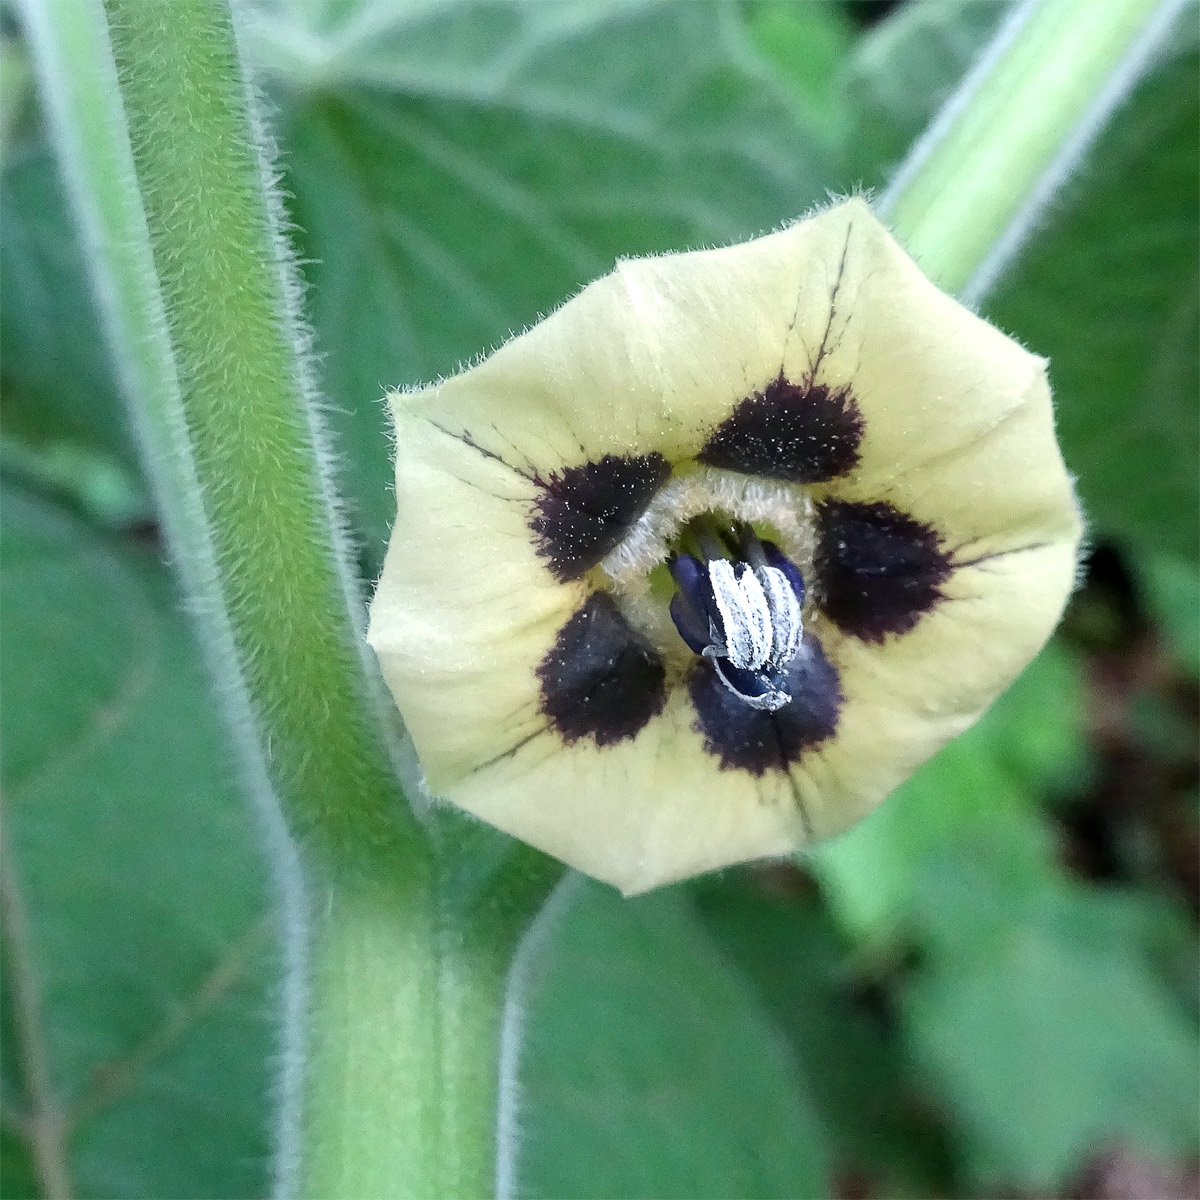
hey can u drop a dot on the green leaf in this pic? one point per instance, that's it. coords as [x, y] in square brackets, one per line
[902, 71]
[16, 80]
[65, 425]
[58, 379]
[650, 1069]
[801, 967]
[81, 475]
[1036, 727]
[808, 44]
[1051, 1040]
[983, 793]
[1108, 291]
[16, 1165]
[140, 892]
[1172, 591]
[962, 799]
[457, 170]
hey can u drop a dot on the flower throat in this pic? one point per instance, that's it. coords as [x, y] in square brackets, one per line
[739, 604]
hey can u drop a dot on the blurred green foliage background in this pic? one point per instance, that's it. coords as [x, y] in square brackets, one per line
[989, 988]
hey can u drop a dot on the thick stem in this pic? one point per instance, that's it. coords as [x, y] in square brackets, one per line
[975, 185]
[394, 1004]
[228, 292]
[441, 1089]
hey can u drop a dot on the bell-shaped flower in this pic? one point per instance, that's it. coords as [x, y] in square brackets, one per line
[703, 565]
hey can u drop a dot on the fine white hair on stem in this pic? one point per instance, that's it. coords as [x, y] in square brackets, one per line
[1071, 153]
[292, 294]
[1039, 197]
[163, 438]
[954, 106]
[521, 978]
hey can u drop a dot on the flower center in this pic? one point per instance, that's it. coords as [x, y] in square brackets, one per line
[740, 604]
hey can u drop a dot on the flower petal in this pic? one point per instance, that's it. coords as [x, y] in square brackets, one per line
[642, 812]
[818, 364]
[907, 697]
[465, 609]
[658, 355]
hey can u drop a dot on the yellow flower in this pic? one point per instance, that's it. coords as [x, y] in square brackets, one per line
[702, 566]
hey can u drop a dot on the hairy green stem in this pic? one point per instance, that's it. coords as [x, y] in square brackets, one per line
[976, 184]
[396, 996]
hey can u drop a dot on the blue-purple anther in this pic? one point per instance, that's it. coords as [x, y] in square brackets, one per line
[744, 615]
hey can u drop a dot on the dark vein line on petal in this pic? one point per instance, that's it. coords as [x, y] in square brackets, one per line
[471, 483]
[467, 440]
[491, 762]
[797, 799]
[986, 558]
[959, 448]
[814, 365]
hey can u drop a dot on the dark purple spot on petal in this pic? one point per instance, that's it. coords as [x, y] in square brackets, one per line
[878, 568]
[755, 740]
[583, 512]
[602, 679]
[801, 433]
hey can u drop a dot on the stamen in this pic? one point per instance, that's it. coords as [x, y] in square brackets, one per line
[744, 613]
[786, 615]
